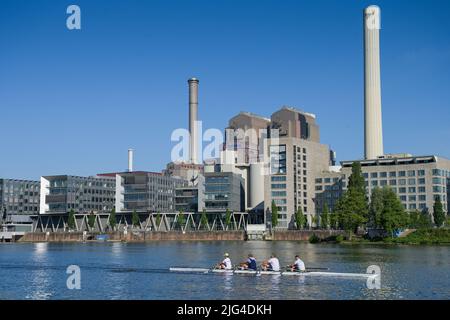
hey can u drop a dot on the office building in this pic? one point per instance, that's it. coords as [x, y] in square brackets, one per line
[224, 190]
[61, 194]
[143, 191]
[19, 197]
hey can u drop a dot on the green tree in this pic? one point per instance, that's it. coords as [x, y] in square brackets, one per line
[71, 220]
[158, 219]
[376, 208]
[228, 218]
[325, 217]
[112, 219]
[181, 219]
[135, 219]
[204, 219]
[314, 220]
[91, 220]
[299, 219]
[352, 208]
[334, 221]
[274, 214]
[393, 215]
[438, 212]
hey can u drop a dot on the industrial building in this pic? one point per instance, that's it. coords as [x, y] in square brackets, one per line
[62, 193]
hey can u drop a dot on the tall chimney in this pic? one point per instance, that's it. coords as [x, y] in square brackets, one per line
[373, 131]
[130, 160]
[193, 110]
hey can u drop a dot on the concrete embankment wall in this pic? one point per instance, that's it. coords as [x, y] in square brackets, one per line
[303, 235]
[135, 236]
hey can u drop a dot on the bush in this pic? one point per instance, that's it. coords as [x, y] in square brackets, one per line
[339, 238]
[314, 238]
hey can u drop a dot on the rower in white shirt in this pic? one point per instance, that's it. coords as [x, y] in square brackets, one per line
[226, 263]
[273, 264]
[299, 265]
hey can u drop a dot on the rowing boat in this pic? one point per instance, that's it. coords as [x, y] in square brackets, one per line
[276, 273]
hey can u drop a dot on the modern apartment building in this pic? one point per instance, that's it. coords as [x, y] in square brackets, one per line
[63, 193]
[146, 192]
[19, 197]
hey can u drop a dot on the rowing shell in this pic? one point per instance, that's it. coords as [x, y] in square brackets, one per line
[279, 273]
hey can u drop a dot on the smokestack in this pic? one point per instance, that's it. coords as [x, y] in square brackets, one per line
[130, 160]
[373, 131]
[193, 110]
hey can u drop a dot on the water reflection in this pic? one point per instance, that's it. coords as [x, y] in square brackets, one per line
[39, 287]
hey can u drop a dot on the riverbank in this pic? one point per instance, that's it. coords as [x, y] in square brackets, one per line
[417, 237]
[140, 236]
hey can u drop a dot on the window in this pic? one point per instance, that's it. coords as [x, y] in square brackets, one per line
[421, 173]
[422, 197]
[411, 173]
[327, 180]
[383, 183]
[318, 188]
[278, 193]
[421, 181]
[318, 180]
[383, 174]
[422, 189]
[402, 182]
[278, 178]
[374, 183]
[412, 206]
[437, 181]
[278, 186]
[402, 173]
[393, 182]
[412, 189]
[365, 175]
[392, 174]
[412, 181]
[374, 175]
[402, 190]
[403, 198]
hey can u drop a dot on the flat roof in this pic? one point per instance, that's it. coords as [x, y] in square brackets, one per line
[391, 161]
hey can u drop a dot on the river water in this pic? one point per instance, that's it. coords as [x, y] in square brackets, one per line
[139, 271]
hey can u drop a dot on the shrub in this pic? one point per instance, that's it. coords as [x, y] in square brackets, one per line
[339, 238]
[314, 238]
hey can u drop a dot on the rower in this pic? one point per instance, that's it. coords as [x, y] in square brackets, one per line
[299, 265]
[273, 264]
[250, 264]
[226, 263]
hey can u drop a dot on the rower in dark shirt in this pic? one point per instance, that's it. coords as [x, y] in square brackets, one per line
[250, 264]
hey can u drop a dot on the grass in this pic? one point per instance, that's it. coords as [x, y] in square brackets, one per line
[423, 236]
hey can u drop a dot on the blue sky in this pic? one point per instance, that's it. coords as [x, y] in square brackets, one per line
[74, 101]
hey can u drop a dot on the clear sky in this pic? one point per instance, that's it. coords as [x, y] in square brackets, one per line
[73, 102]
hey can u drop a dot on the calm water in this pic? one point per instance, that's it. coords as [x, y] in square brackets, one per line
[129, 271]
